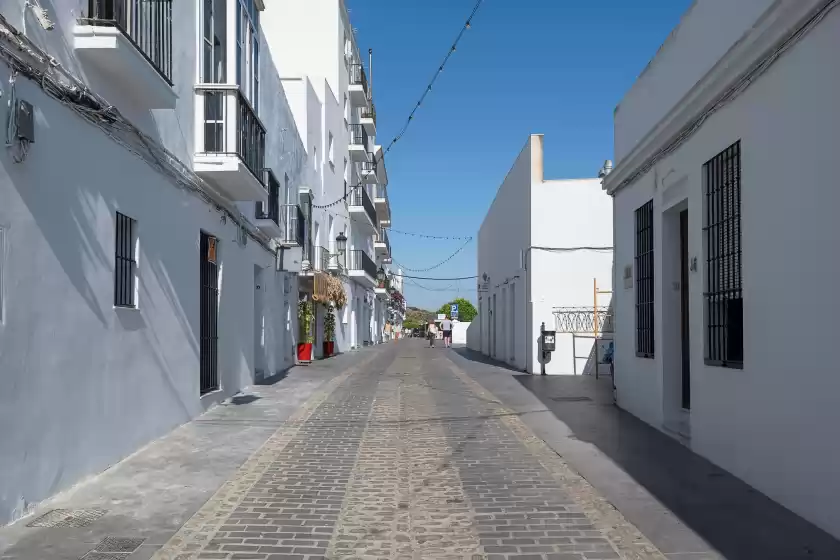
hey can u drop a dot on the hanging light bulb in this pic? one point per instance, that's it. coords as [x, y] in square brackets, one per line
[468, 24]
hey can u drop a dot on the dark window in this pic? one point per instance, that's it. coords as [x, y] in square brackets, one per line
[644, 281]
[125, 262]
[722, 231]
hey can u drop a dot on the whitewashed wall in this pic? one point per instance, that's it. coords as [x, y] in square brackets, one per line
[571, 215]
[82, 384]
[504, 233]
[772, 423]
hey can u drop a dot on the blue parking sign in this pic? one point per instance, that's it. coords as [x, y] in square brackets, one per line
[453, 310]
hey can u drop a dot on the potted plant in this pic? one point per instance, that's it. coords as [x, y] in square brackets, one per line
[304, 347]
[329, 332]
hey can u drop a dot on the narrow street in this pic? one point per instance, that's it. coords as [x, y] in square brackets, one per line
[395, 452]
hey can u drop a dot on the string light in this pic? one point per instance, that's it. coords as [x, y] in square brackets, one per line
[425, 236]
[467, 25]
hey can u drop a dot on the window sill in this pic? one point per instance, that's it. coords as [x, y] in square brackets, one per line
[646, 356]
[126, 309]
[724, 364]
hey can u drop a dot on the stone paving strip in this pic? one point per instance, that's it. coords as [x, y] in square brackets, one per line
[583, 530]
[253, 509]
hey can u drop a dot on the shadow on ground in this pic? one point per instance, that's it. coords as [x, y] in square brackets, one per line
[734, 518]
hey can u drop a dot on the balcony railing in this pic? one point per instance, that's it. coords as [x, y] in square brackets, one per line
[359, 260]
[370, 165]
[358, 76]
[369, 113]
[146, 23]
[358, 135]
[359, 197]
[231, 127]
[293, 224]
[270, 211]
[383, 238]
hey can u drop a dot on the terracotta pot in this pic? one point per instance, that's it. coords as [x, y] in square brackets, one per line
[304, 352]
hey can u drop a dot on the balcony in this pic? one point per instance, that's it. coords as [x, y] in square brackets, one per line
[381, 244]
[322, 263]
[130, 42]
[361, 208]
[358, 147]
[383, 205]
[358, 88]
[381, 172]
[267, 214]
[368, 119]
[368, 172]
[230, 142]
[361, 268]
[293, 225]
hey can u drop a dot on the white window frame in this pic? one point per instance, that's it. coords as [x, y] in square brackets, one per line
[248, 59]
[331, 150]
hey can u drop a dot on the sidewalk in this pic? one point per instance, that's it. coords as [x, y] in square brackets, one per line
[150, 494]
[688, 507]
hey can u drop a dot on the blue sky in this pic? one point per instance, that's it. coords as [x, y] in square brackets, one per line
[555, 67]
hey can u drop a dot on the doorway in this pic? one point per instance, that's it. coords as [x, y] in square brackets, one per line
[259, 324]
[684, 309]
[493, 327]
[209, 320]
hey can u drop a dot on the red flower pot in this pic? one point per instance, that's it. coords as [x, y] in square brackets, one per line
[329, 347]
[304, 352]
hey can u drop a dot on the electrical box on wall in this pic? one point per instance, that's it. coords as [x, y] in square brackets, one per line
[24, 115]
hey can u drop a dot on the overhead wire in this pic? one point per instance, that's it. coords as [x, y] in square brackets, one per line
[467, 25]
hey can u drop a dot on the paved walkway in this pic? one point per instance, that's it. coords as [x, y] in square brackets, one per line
[393, 452]
[400, 455]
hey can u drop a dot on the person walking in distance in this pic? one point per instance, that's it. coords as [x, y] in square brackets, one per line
[446, 327]
[431, 332]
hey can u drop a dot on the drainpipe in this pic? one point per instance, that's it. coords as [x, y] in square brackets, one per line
[370, 77]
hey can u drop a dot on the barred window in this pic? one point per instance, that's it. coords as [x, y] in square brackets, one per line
[644, 281]
[125, 262]
[722, 231]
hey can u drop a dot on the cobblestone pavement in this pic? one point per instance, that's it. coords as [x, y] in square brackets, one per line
[406, 458]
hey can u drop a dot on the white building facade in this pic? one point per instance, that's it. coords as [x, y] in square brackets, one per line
[330, 92]
[147, 241]
[541, 246]
[725, 237]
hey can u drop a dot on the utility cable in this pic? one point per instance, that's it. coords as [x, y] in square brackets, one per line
[435, 279]
[441, 263]
[426, 92]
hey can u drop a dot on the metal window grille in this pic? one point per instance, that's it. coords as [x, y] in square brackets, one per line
[644, 281]
[209, 350]
[125, 262]
[722, 231]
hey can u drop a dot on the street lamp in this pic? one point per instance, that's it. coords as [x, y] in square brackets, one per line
[341, 247]
[381, 276]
